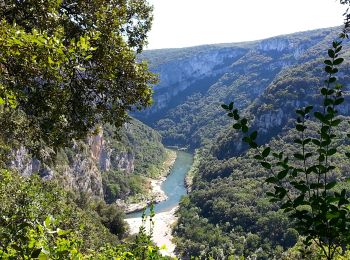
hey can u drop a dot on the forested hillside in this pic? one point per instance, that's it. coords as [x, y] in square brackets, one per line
[194, 82]
[227, 212]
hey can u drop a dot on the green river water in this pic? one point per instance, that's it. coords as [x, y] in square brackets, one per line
[174, 185]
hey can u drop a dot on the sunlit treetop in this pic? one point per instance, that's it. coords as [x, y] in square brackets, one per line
[68, 66]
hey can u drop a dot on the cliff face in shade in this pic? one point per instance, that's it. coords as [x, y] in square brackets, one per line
[80, 168]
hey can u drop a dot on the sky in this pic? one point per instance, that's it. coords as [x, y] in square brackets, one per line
[183, 23]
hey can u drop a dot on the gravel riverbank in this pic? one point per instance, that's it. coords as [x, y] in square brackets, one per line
[162, 229]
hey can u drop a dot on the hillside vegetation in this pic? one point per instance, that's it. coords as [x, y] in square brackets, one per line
[227, 212]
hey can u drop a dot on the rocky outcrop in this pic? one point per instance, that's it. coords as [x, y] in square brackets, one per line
[83, 171]
[82, 175]
[180, 74]
[108, 158]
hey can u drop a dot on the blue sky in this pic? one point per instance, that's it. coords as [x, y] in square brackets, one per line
[181, 23]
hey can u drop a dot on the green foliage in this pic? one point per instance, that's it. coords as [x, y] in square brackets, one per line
[27, 203]
[304, 183]
[39, 220]
[66, 66]
[144, 143]
[120, 185]
[226, 205]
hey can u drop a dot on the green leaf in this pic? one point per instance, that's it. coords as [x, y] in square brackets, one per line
[50, 61]
[338, 49]
[328, 62]
[308, 155]
[328, 101]
[320, 117]
[48, 221]
[338, 101]
[338, 61]
[331, 185]
[253, 135]
[246, 139]
[258, 157]
[299, 156]
[331, 151]
[36, 253]
[306, 141]
[224, 106]
[281, 191]
[316, 185]
[300, 112]
[328, 69]
[331, 80]
[298, 141]
[302, 187]
[321, 158]
[308, 109]
[237, 126]
[282, 174]
[299, 200]
[336, 122]
[88, 57]
[335, 44]
[230, 106]
[311, 169]
[266, 152]
[253, 144]
[270, 194]
[271, 180]
[300, 127]
[245, 129]
[332, 215]
[61, 232]
[266, 165]
[316, 141]
[331, 53]
[324, 91]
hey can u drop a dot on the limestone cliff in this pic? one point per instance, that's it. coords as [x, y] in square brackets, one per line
[195, 81]
[81, 167]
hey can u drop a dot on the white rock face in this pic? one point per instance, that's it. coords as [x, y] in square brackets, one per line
[84, 173]
[176, 76]
[274, 44]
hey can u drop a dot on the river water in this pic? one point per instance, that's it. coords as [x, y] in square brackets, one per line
[174, 185]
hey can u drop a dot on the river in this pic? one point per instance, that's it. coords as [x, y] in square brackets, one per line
[174, 187]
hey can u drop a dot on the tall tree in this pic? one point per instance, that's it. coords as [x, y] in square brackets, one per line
[69, 65]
